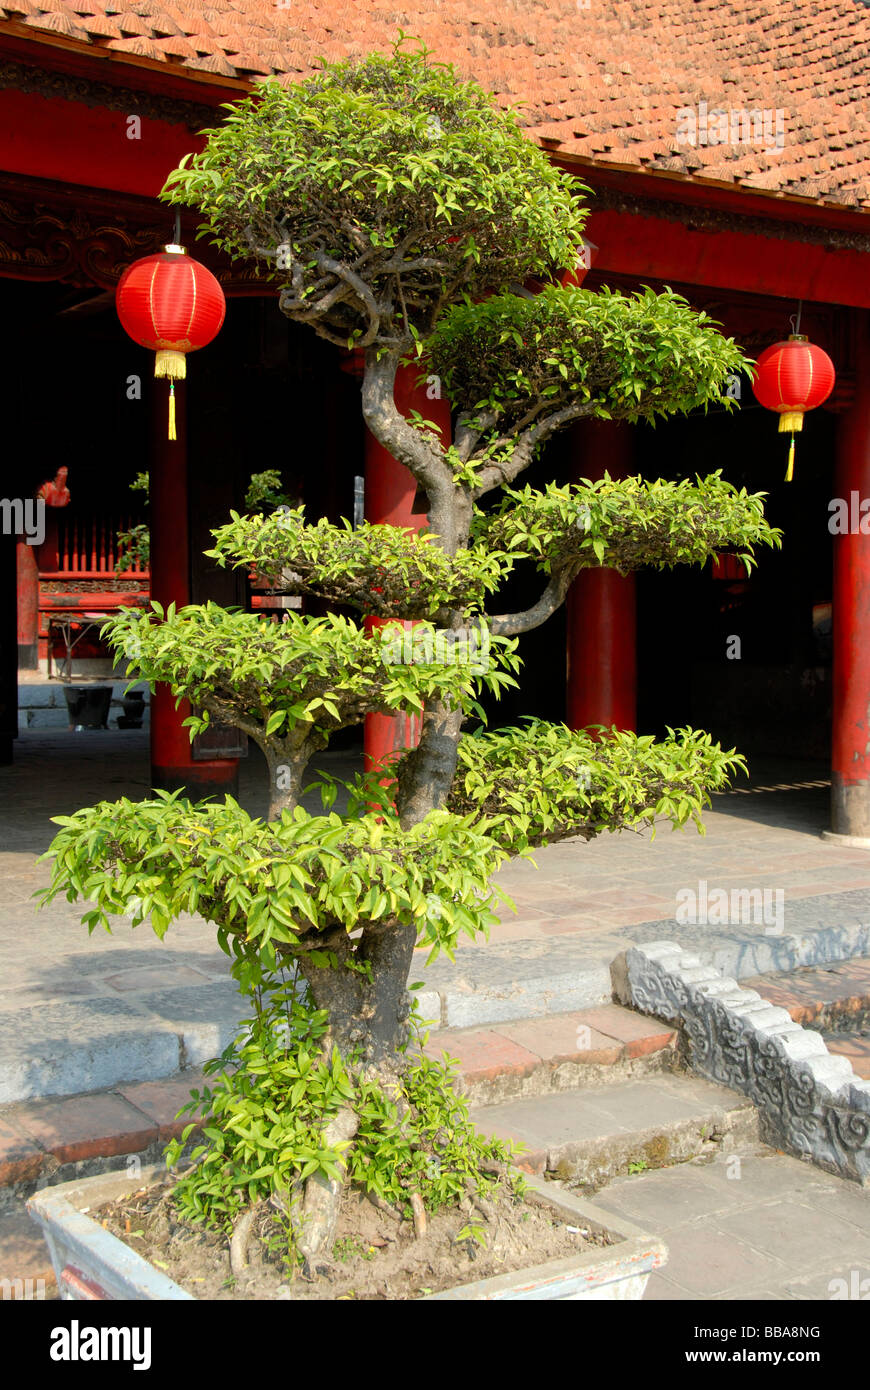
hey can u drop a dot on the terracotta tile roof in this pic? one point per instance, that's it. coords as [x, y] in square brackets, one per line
[604, 80]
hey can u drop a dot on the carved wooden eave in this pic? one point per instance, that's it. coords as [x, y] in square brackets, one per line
[24, 77]
[87, 237]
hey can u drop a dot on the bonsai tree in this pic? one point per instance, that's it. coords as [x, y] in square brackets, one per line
[395, 207]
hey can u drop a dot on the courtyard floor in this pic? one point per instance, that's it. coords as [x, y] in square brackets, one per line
[80, 1015]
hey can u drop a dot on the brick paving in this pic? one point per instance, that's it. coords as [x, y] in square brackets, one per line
[819, 995]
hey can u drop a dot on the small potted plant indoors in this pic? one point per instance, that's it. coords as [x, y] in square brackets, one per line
[326, 1132]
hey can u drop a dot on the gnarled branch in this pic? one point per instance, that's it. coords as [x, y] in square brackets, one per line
[512, 624]
[503, 473]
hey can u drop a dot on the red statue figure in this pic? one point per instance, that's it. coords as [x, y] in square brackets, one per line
[56, 492]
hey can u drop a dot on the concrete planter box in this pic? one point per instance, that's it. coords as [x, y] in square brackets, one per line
[90, 1263]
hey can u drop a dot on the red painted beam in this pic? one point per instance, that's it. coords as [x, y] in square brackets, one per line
[53, 138]
[850, 762]
[657, 248]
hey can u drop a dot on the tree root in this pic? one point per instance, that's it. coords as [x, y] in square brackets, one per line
[322, 1197]
[486, 1209]
[472, 1201]
[420, 1222]
[240, 1238]
[385, 1207]
[495, 1167]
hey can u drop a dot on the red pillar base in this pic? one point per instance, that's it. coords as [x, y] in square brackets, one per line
[28, 606]
[173, 766]
[199, 781]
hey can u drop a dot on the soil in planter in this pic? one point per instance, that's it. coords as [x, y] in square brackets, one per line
[374, 1256]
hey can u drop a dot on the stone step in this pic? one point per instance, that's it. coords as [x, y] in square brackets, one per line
[40, 1139]
[812, 1102]
[825, 997]
[525, 978]
[589, 1137]
[51, 1141]
[106, 1024]
[93, 1042]
[539, 1056]
[854, 1046]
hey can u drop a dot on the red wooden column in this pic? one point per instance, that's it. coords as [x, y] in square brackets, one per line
[850, 761]
[600, 606]
[28, 605]
[390, 490]
[172, 762]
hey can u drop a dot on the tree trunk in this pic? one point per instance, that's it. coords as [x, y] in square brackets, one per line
[287, 763]
[369, 1014]
[285, 781]
[428, 772]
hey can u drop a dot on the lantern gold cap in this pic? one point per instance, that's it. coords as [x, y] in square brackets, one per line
[175, 250]
[798, 338]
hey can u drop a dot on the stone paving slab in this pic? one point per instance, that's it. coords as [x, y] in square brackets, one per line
[751, 1225]
[93, 1043]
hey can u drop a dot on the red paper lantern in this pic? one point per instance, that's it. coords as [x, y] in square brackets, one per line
[792, 377]
[172, 305]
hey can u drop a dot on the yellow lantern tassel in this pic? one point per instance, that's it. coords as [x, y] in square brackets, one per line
[172, 434]
[789, 472]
